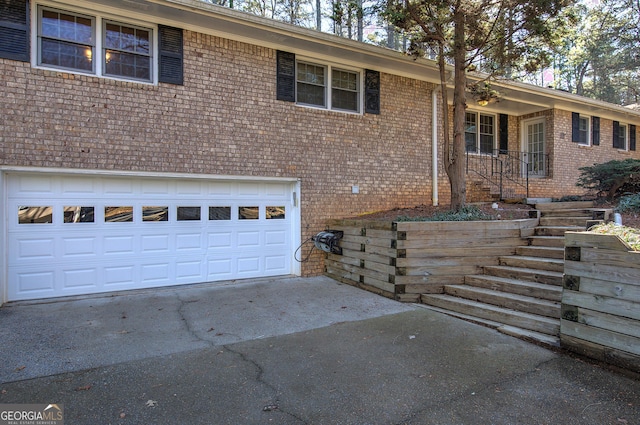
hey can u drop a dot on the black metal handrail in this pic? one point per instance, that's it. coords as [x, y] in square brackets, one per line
[502, 167]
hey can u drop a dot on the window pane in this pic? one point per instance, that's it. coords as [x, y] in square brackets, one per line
[28, 215]
[344, 80]
[128, 39]
[155, 213]
[346, 100]
[66, 40]
[127, 65]
[310, 88]
[78, 214]
[219, 213]
[583, 132]
[118, 214]
[188, 213]
[470, 130]
[248, 213]
[66, 55]
[486, 134]
[275, 213]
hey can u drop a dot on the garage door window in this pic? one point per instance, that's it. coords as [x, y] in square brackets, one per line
[219, 213]
[188, 213]
[155, 213]
[275, 213]
[32, 215]
[248, 213]
[118, 214]
[78, 214]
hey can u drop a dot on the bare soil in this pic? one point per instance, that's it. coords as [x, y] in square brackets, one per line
[504, 211]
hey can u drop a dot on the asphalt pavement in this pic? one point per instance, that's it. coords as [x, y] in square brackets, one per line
[291, 351]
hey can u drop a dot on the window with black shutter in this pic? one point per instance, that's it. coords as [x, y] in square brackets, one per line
[632, 137]
[14, 30]
[286, 76]
[170, 61]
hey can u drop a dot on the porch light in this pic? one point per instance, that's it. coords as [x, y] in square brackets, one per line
[482, 102]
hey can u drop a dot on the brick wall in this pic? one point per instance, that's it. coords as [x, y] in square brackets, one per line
[225, 120]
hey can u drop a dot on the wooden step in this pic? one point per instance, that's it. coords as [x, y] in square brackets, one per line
[557, 230]
[548, 241]
[515, 286]
[551, 264]
[531, 336]
[553, 206]
[503, 299]
[585, 212]
[570, 221]
[533, 275]
[545, 325]
[541, 251]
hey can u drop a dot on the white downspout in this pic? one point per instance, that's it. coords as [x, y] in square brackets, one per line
[434, 145]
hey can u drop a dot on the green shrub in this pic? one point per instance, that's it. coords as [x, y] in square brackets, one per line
[629, 203]
[466, 213]
[612, 179]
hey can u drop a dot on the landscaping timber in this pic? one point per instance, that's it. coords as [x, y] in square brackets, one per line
[601, 299]
[405, 259]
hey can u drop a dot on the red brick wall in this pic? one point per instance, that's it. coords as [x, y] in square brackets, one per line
[225, 120]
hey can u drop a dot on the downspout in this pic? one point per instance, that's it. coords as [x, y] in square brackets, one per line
[434, 144]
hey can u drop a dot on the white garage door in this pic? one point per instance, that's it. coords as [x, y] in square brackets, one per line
[71, 235]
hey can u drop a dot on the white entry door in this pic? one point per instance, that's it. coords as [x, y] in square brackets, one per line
[72, 235]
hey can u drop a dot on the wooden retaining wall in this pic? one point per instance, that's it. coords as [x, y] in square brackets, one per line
[402, 260]
[601, 299]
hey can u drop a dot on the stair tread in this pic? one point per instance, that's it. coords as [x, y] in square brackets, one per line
[532, 258]
[507, 295]
[529, 335]
[527, 270]
[528, 283]
[492, 307]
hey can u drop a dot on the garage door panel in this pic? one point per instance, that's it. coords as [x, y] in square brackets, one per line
[155, 244]
[79, 247]
[79, 278]
[31, 249]
[120, 251]
[119, 245]
[119, 275]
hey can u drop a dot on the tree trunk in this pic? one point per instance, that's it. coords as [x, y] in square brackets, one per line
[456, 164]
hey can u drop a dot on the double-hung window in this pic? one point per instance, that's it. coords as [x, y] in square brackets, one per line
[325, 86]
[480, 132]
[583, 130]
[620, 135]
[95, 45]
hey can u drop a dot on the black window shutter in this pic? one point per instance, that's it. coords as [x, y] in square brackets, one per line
[616, 135]
[14, 30]
[171, 55]
[371, 92]
[632, 137]
[595, 131]
[286, 78]
[575, 127]
[504, 133]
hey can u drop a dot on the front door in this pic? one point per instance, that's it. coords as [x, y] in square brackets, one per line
[534, 149]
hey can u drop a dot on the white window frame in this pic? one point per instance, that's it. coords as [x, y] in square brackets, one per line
[99, 21]
[478, 150]
[588, 130]
[328, 85]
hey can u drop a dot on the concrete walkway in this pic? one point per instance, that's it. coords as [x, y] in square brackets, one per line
[290, 351]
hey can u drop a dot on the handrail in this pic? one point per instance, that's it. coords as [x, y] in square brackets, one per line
[502, 168]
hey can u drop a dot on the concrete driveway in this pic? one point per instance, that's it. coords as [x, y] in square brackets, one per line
[290, 351]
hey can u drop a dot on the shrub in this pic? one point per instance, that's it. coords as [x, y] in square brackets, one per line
[629, 203]
[466, 213]
[613, 178]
